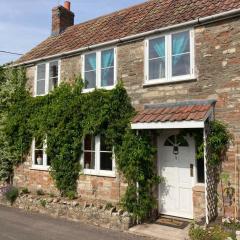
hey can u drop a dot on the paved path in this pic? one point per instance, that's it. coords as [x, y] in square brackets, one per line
[19, 225]
[161, 232]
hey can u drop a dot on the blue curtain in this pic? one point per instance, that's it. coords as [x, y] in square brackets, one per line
[159, 47]
[180, 44]
[91, 58]
[107, 61]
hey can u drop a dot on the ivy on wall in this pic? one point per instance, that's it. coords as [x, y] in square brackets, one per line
[64, 117]
[137, 160]
[218, 141]
[11, 147]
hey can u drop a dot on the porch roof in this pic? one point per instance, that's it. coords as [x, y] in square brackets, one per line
[186, 114]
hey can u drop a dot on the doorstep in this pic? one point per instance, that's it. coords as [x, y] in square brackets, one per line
[160, 232]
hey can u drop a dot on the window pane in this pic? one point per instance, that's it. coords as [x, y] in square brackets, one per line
[53, 83]
[107, 77]
[180, 43]
[53, 75]
[104, 146]
[90, 62]
[89, 143]
[200, 170]
[38, 157]
[107, 58]
[89, 160]
[41, 71]
[106, 161]
[40, 87]
[53, 71]
[90, 79]
[157, 68]
[181, 65]
[157, 48]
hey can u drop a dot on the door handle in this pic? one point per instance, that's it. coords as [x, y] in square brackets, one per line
[191, 170]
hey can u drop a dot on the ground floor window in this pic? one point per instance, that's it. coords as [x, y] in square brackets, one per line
[39, 156]
[98, 157]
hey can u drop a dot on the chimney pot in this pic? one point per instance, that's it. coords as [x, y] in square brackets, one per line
[67, 5]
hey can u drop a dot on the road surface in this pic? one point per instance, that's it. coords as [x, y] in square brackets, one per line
[19, 225]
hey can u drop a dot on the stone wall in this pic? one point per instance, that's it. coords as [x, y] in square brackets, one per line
[217, 48]
[70, 68]
[109, 189]
[97, 214]
[199, 202]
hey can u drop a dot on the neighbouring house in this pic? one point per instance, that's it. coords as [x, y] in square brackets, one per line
[179, 62]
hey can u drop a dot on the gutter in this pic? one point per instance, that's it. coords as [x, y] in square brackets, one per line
[196, 22]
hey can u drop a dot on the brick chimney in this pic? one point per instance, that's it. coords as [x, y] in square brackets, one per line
[62, 18]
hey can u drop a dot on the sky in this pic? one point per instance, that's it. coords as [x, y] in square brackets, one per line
[25, 23]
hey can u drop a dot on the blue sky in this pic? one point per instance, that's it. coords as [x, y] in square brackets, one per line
[25, 23]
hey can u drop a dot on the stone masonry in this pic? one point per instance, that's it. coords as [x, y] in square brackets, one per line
[217, 58]
[107, 216]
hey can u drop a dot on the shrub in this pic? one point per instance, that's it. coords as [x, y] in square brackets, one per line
[25, 191]
[109, 206]
[43, 202]
[197, 233]
[71, 195]
[12, 194]
[40, 192]
[213, 233]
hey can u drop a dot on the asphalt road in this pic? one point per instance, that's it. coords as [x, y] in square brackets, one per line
[19, 225]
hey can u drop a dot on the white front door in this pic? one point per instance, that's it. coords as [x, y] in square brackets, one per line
[176, 161]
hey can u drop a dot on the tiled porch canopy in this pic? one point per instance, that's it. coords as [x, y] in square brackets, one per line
[187, 114]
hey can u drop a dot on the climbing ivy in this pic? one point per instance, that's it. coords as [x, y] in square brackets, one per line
[218, 141]
[64, 117]
[12, 92]
[137, 159]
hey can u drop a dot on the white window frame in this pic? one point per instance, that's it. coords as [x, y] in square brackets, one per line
[47, 78]
[168, 60]
[98, 69]
[97, 171]
[43, 167]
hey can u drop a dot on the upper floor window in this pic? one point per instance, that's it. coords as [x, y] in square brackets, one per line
[170, 57]
[98, 157]
[99, 69]
[47, 77]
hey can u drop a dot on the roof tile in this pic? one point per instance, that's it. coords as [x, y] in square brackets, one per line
[196, 112]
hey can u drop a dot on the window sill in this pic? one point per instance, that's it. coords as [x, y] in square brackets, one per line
[41, 95]
[98, 88]
[99, 174]
[164, 82]
[40, 168]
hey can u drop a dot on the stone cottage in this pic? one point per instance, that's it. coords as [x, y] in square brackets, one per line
[179, 61]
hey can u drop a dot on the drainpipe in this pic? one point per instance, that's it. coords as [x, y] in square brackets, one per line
[236, 187]
[137, 185]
